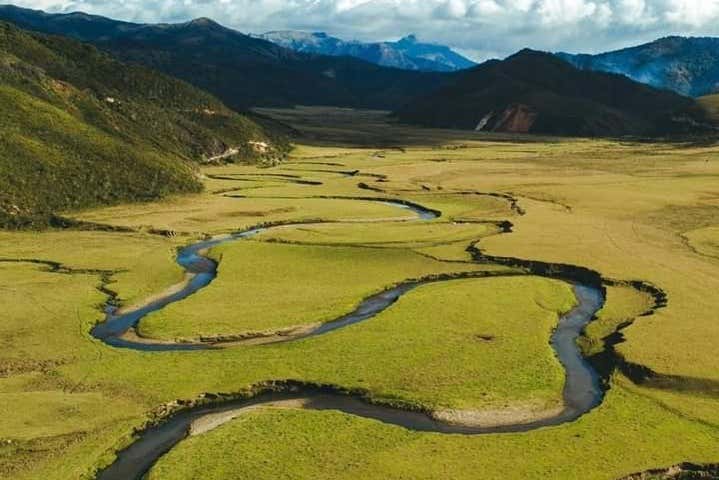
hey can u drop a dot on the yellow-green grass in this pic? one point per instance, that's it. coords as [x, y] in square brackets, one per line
[51, 423]
[627, 210]
[704, 241]
[623, 305]
[629, 249]
[627, 433]
[606, 214]
[220, 214]
[603, 211]
[621, 208]
[468, 207]
[451, 252]
[55, 412]
[84, 398]
[426, 351]
[238, 187]
[451, 344]
[265, 287]
[603, 204]
[411, 234]
[142, 264]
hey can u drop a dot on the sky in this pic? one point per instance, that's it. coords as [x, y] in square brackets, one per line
[480, 29]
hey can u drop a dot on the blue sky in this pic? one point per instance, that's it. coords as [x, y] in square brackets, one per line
[479, 28]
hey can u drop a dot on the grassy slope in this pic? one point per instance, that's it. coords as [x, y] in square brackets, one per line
[81, 129]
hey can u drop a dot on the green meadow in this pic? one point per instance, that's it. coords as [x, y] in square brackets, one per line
[631, 211]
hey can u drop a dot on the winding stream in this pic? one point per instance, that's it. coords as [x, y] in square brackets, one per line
[201, 271]
[582, 389]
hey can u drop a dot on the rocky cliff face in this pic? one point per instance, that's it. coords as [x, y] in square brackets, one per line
[515, 118]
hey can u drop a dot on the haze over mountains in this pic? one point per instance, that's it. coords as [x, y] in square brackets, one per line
[689, 66]
[408, 53]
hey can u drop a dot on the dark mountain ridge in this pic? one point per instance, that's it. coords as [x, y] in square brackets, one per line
[241, 70]
[529, 92]
[536, 92]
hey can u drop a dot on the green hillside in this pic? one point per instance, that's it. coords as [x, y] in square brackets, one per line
[79, 128]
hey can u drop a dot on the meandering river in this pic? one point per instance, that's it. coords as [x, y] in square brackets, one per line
[582, 389]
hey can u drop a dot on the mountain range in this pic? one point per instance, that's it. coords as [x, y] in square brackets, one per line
[245, 71]
[240, 70]
[536, 92]
[80, 129]
[408, 53]
[687, 65]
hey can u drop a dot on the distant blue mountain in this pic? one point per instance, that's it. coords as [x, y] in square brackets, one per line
[408, 53]
[689, 66]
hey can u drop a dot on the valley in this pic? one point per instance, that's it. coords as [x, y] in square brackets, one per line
[389, 302]
[229, 255]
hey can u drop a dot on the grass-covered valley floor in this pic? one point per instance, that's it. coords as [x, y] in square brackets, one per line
[630, 211]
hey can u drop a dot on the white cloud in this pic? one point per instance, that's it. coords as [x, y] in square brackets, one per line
[484, 7]
[693, 13]
[452, 9]
[559, 12]
[631, 11]
[484, 27]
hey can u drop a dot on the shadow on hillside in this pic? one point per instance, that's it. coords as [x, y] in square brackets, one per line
[346, 127]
